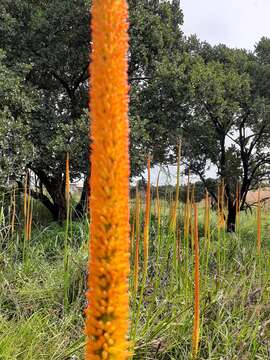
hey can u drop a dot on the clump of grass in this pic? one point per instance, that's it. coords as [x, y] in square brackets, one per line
[32, 324]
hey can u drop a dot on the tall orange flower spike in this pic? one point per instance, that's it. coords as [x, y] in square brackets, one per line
[147, 217]
[137, 239]
[259, 222]
[196, 324]
[67, 187]
[107, 312]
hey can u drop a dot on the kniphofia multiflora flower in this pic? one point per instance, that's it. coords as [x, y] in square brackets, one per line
[107, 311]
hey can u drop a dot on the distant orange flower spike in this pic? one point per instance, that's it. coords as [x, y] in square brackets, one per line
[67, 187]
[107, 312]
[196, 324]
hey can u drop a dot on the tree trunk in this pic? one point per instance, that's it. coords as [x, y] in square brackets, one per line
[59, 205]
[81, 207]
[54, 196]
[56, 205]
[231, 221]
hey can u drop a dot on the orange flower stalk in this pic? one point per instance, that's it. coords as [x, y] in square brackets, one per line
[67, 187]
[30, 220]
[192, 225]
[147, 218]
[132, 233]
[158, 203]
[237, 197]
[222, 195]
[219, 220]
[196, 325]
[27, 207]
[25, 195]
[178, 241]
[107, 312]
[66, 257]
[206, 219]
[187, 210]
[13, 204]
[259, 221]
[175, 209]
[137, 239]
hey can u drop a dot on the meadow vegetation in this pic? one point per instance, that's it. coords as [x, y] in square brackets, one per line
[234, 291]
[198, 282]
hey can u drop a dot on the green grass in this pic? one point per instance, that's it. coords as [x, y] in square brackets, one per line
[235, 293]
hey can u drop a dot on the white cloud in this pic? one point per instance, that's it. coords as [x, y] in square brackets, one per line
[236, 23]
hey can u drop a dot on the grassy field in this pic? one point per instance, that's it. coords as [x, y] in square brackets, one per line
[234, 284]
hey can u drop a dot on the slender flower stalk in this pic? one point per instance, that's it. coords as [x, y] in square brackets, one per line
[107, 312]
[186, 233]
[187, 210]
[67, 183]
[259, 221]
[66, 258]
[158, 204]
[218, 203]
[219, 226]
[137, 239]
[236, 199]
[222, 195]
[207, 234]
[178, 241]
[147, 218]
[30, 220]
[132, 235]
[206, 218]
[196, 324]
[28, 210]
[13, 211]
[226, 208]
[175, 209]
[174, 217]
[192, 224]
[205, 214]
[238, 204]
[159, 237]
[25, 213]
[136, 313]
[25, 196]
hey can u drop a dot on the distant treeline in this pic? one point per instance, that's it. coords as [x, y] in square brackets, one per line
[167, 192]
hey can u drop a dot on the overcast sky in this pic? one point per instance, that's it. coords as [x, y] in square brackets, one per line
[236, 23]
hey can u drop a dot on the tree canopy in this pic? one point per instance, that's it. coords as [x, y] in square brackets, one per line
[16, 103]
[214, 98]
[217, 102]
[52, 39]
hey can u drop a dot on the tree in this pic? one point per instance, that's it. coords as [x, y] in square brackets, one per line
[15, 106]
[53, 38]
[49, 37]
[226, 125]
[228, 109]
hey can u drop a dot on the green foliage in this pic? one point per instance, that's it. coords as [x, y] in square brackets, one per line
[215, 99]
[52, 40]
[32, 325]
[16, 105]
[227, 109]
